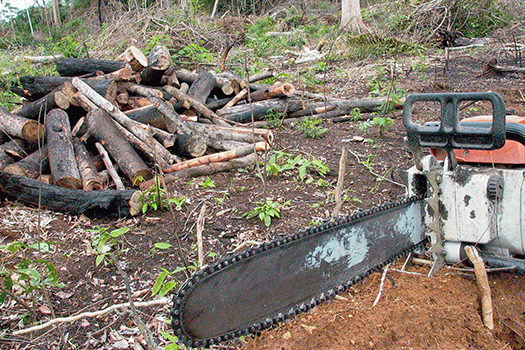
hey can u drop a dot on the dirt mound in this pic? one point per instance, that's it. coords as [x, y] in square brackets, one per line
[442, 312]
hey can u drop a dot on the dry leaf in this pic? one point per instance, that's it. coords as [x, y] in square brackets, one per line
[287, 335]
[44, 310]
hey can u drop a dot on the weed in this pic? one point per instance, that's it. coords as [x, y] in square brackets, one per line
[383, 123]
[26, 274]
[193, 53]
[266, 211]
[155, 198]
[366, 45]
[68, 47]
[274, 118]
[105, 241]
[160, 39]
[282, 163]
[311, 129]
[207, 184]
[355, 114]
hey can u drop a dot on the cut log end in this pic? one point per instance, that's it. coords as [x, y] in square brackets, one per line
[69, 182]
[33, 131]
[135, 203]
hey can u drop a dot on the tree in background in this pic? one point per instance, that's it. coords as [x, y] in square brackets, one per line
[351, 18]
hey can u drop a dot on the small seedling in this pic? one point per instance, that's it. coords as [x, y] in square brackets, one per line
[207, 184]
[105, 241]
[355, 114]
[311, 129]
[273, 118]
[266, 211]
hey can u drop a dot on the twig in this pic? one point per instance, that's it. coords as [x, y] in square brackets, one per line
[144, 330]
[381, 285]
[245, 244]
[483, 285]
[375, 174]
[340, 183]
[199, 229]
[19, 301]
[60, 320]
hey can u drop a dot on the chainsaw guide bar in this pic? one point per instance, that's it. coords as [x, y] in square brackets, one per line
[260, 287]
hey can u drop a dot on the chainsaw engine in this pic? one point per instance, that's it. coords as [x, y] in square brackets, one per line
[474, 179]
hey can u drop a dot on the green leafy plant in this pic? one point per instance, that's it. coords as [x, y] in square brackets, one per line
[383, 123]
[155, 198]
[160, 39]
[282, 162]
[25, 274]
[105, 241]
[193, 53]
[207, 184]
[266, 210]
[273, 118]
[68, 47]
[311, 129]
[355, 114]
[166, 281]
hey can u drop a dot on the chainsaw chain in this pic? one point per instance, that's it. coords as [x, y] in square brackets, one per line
[205, 273]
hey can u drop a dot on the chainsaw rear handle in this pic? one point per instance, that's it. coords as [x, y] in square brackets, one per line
[449, 133]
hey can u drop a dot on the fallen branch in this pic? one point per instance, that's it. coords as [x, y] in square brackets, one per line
[90, 314]
[340, 183]
[199, 229]
[381, 284]
[483, 285]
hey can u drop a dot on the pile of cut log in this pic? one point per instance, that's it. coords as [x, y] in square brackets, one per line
[107, 123]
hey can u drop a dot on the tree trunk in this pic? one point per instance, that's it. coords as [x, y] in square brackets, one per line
[351, 18]
[281, 90]
[56, 13]
[17, 126]
[149, 115]
[30, 165]
[61, 153]
[35, 87]
[159, 60]
[190, 146]
[202, 87]
[103, 128]
[88, 171]
[75, 202]
[71, 67]
[12, 150]
[189, 77]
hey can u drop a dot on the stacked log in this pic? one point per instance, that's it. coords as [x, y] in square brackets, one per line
[134, 116]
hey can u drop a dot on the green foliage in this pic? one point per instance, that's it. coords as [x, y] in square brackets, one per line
[309, 78]
[477, 18]
[155, 198]
[355, 114]
[105, 241]
[207, 184]
[282, 163]
[192, 53]
[166, 281]
[159, 39]
[21, 273]
[274, 118]
[67, 46]
[371, 45]
[383, 85]
[266, 210]
[383, 123]
[311, 129]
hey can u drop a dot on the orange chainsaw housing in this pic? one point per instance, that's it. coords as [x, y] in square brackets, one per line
[512, 152]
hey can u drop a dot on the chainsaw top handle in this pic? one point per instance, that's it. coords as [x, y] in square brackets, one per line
[450, 133]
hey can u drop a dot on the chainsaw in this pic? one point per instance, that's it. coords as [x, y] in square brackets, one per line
[470, 190]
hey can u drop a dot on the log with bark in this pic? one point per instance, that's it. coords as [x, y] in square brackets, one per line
[20, 127]
[76, 202]
[149, 115]
[109, 166]
[138, 129]
[88, 172]
[159, 60]
[185, 76]
[202, 87]
[243, 113]
[72, 67]
[31, 166]
[103, 128]
[35, 87]
[190, 146]
[207, 169]
[13, 150]
[280, 90]
[60, 149]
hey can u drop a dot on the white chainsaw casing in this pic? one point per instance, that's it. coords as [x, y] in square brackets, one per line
[467, 212]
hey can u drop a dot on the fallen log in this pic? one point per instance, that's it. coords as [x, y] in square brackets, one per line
[138, 129]
[103, 128]
[37, 109]
[197, 105]
[109, 167]
[207, 169]
[42, 59]
[243, 113]
[135, 58]
[142, 90]
[149, 115]
[242, 94]
[247, 135]
[202, 87]
[159, 60]
[261, 76]
[72, 67]
[20, 127]
[88, 172]
[190, 146]
[31, 166]
[75, 202]
[60, 149]
[13, 150]
[280, 90]
[188, 77]
[140, 146]
[219, 157]
[123, 74]
[311, 111]
[216, 104]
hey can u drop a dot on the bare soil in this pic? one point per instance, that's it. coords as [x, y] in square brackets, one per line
[417, 313]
